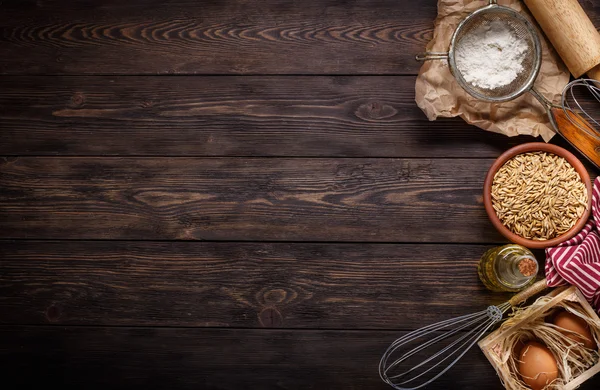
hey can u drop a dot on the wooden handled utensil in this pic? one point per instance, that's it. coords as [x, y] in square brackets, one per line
[577, 41]
[423, 355]
[578, 132]
[588, 143]
[574, 128]
[572, 34]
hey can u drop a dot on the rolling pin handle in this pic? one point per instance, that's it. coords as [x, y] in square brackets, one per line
[571, 32]
[594, 73]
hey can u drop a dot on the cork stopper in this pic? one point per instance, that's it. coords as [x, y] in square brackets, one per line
[527, 267]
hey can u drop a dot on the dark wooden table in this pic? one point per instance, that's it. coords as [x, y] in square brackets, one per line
[230, 194]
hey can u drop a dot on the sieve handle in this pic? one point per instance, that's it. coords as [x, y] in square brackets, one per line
[493, 2]
[532, 290]
[428, 56]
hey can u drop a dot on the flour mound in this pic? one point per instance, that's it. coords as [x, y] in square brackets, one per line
[491, 56]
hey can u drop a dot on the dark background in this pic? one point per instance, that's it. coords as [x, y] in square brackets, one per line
[230, 194]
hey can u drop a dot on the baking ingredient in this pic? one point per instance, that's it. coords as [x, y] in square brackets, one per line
[491, 55]
[533, 322]
[574, 323]
[510, 267]
[538, 195]
[537, 365]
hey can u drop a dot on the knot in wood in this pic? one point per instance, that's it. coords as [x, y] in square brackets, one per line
[274, 296]
[77, 99]
[53, 313]
[270, 318]
[375, 111]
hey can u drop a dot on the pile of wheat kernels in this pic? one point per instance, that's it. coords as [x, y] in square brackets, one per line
[538, 195]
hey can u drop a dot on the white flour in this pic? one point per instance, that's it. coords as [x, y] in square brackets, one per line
[490, 56]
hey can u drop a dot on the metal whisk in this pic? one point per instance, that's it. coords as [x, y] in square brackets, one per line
[438, 347]
[578, 97]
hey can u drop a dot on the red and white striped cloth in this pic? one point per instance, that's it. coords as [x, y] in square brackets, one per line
[577, 261]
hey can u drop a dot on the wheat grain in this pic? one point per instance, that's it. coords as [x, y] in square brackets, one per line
[538, 195]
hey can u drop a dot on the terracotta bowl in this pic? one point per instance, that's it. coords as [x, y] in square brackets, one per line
[535, 147]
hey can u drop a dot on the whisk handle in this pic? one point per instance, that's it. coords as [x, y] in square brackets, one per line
[578, 132]
[532, 290]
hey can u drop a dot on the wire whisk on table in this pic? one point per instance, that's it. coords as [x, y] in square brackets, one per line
[579, 101]
[422, 356]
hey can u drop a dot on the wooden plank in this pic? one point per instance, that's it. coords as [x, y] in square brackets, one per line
[176, 358]
[230, 116]
[213, 37]
[249, 199]
[216, 37]
[349, 286]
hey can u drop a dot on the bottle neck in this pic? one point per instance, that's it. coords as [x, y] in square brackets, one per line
[515, 267]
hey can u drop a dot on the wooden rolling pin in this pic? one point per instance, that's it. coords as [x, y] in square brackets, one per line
[577, 41]
[572, 34]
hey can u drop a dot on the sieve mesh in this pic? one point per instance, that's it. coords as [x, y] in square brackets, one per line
[523, 30]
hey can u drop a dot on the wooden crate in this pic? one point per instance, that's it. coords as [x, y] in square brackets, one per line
[489, 345]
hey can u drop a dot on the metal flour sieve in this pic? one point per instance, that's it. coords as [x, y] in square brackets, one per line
[521, 28]
[566, 122]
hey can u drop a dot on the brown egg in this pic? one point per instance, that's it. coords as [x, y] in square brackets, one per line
[537, 366]
[570, 321]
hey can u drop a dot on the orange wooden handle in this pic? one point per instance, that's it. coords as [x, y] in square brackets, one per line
[586, 142]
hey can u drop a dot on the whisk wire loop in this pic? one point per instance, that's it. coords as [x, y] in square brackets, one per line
[472, 325]
[574, 109]
[430, 342]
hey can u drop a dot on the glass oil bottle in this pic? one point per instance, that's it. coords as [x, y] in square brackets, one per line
[510, 267]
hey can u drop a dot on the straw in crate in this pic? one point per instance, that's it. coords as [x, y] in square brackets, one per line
[575, 363]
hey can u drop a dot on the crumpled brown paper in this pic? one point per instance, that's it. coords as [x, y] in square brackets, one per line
[439, 95]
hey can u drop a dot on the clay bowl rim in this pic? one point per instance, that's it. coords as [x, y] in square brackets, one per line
[536, 147]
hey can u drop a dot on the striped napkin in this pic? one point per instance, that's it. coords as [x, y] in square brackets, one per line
[577, 261]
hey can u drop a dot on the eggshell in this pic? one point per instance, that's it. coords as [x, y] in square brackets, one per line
[537, 366]
[570, 321]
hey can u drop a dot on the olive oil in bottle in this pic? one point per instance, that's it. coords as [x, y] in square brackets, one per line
[510, 267]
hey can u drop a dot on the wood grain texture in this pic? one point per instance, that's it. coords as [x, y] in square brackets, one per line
[570, 31]
[376, 200]
[230, 116]
[158, 358]
[102, 155]
[281, 285]
[217, 37]
[213, 37]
